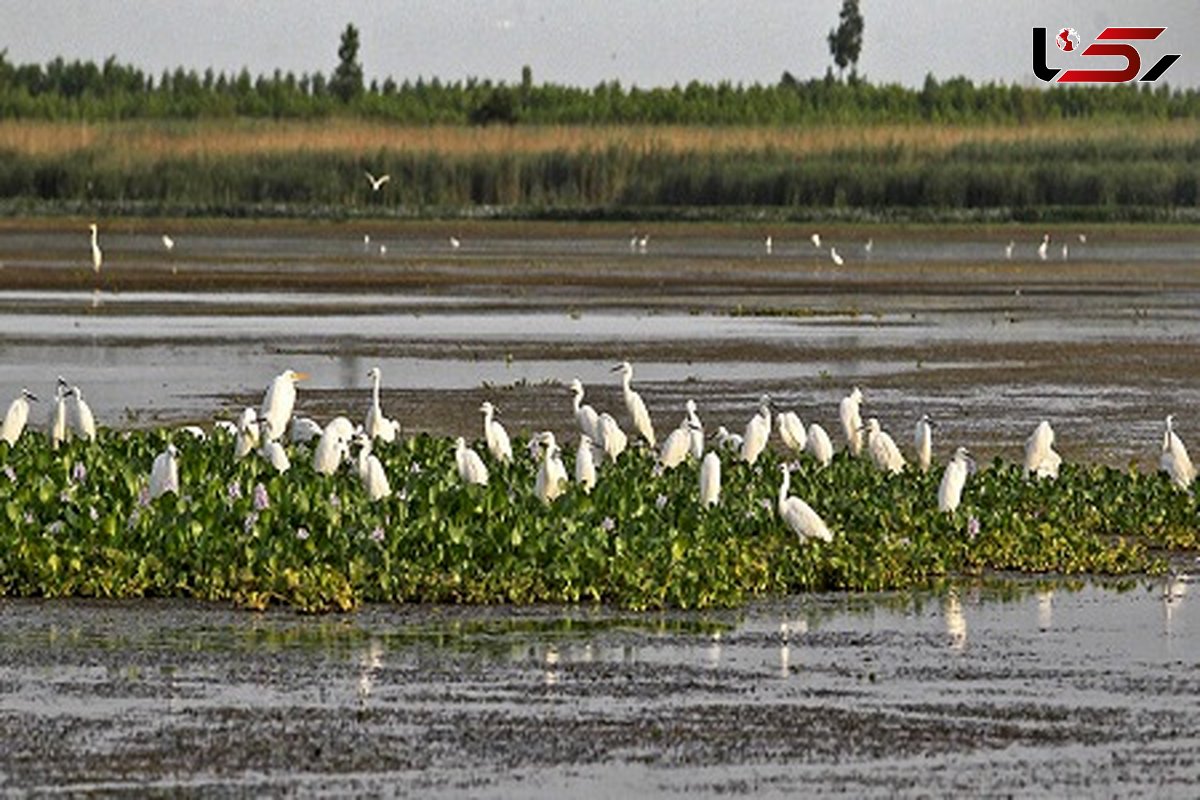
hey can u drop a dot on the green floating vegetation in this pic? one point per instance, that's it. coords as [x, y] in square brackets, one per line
[79, 522]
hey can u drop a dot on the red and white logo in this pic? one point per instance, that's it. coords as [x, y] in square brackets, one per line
[1112, 42]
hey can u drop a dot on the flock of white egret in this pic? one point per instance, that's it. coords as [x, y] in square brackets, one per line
[601, 440]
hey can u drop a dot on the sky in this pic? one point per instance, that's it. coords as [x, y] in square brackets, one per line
[584, 42]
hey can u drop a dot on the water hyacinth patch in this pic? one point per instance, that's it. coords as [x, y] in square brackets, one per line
[240, 532]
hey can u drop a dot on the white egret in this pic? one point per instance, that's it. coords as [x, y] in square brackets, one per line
[164, 473]
[378, 183]
[79, 415]
[585, 464]
[676, 447]
[471, 468]
[248, 431]
[836, 257]
[495, 435]
[883, 448]
[851, 419]
[1044, 247]
[731, 442]
[634, 405]
[370, 471]
[455, 242]
[304, 430]
[376, 425]
[272, 451]
[1175, 460]
[710, 480]
[1066, 251]
[816, 240]
[552, 475]
[1083, 238]
[953, 479]
[332, 447]
[342, 428]
[1040, 458]
[819, 445]
[1008, 249]
[194, 431]
[56, 425]
[695, 430]
[168, 242]
[791, 431]
[279, 401]
[16, 417]
[97, 255]
[923, 442]
[643, 243]
[799, 515]
[758, 432]
[869, 247]
[768, 244]
[585, 415]
[613, 440]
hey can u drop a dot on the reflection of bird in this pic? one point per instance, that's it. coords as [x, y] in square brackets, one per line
[16, 417]
[836, 257]
[279, 401]
[1175, 460]
[956, 622]
[495, 435]
[471, 468]
[1066, 251]
[377, 183]
[819, 445]
[164, 473]
[923, 442]
[799, 515]
[97, 256]
[883, 448]
[1040, 458]
[710, 480]
[635, 405]
[851, 419]
[953, 479]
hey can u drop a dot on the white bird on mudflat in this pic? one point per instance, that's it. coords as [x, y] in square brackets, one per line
[695, 429]
[758, 432]
[791, 431]
[768, 244]
[1040, 458]
[710, 480]
[634, 404]
[1044, 248]
[953, 479]
[272, 451]
[376, 425]
[799, 515]
[923, 442]
[279, 401]
[471, 468]
[869, 247]
[494, 434]
[370, 471]
[883, 449]
[1175, 460]
[168, 242]
[836, 257]
[248, 431]
[1008, 249]
[816, 240]
[850, 415]
[164, 473]
[819, 445]
[97, 255]
[1066, 251]
[304, 430]
[585, 464]
[613, 440]
[676, 447]
[332, 448]
[16, 417]
[79, 414]
[377, 183]
[586, 416]
[552, 477]
[455, 243]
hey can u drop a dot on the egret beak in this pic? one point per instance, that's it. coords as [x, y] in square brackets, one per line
[30, 396]
[302, 376]
[617, 368]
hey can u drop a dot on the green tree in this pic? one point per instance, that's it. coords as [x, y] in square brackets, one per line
[845, 41]
[347, 81]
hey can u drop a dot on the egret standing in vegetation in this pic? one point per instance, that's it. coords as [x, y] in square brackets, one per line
[1040, 458]
[331, 449]
[79, 415]
[695, 430]
[758, 432]
[279, 401]
[494, 434]
[730, 442]
[585, 464]
[376, 425]
[1175, 460]
[16, 417]
[923, 442]
[819, 445]
[799, 515]
[272, 451]
[552, 475]
[634, 405]
[471, 468]
[953, 479]
[849, 412]
[248, 434]
[883, 449]
[676, 447]
[304, 430]
[585, 415]
[370, 471]
[710, 480]
[613, 440]
[791, 431]
[164, 473]
[56, 426]
[97, 255]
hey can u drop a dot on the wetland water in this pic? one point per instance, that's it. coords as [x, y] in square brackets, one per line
[1055, 691]
[1022, 689]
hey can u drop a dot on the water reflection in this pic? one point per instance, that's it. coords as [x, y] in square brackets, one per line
[370, 662]
[1045, 611]
[956, 623]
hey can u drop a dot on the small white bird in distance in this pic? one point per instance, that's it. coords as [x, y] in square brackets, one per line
[1008, 249]
[1044, 248]
[816, 239]
[97, 255]
[836, 257]
[168, 242]
[455, 242]
[377, 183]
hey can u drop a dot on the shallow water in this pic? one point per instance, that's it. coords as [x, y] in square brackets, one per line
[1002, 688]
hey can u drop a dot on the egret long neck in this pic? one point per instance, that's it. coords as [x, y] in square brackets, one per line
[375, 391]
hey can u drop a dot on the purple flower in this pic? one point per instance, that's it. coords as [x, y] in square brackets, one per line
[261, 499]
[415, 469]
[55, 527]
[233, 491]
[79, 472]
[972, 527]
[377, 534]
[144, 496]
[302, 533]
[335, 501]
[249, 522]
[608, 524]
[660, 502]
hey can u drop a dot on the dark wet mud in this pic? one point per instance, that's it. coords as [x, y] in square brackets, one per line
[1002, 689]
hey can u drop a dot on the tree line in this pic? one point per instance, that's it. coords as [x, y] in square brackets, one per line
[79, 90]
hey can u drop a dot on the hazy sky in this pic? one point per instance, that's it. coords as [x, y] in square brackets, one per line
[583, 42]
